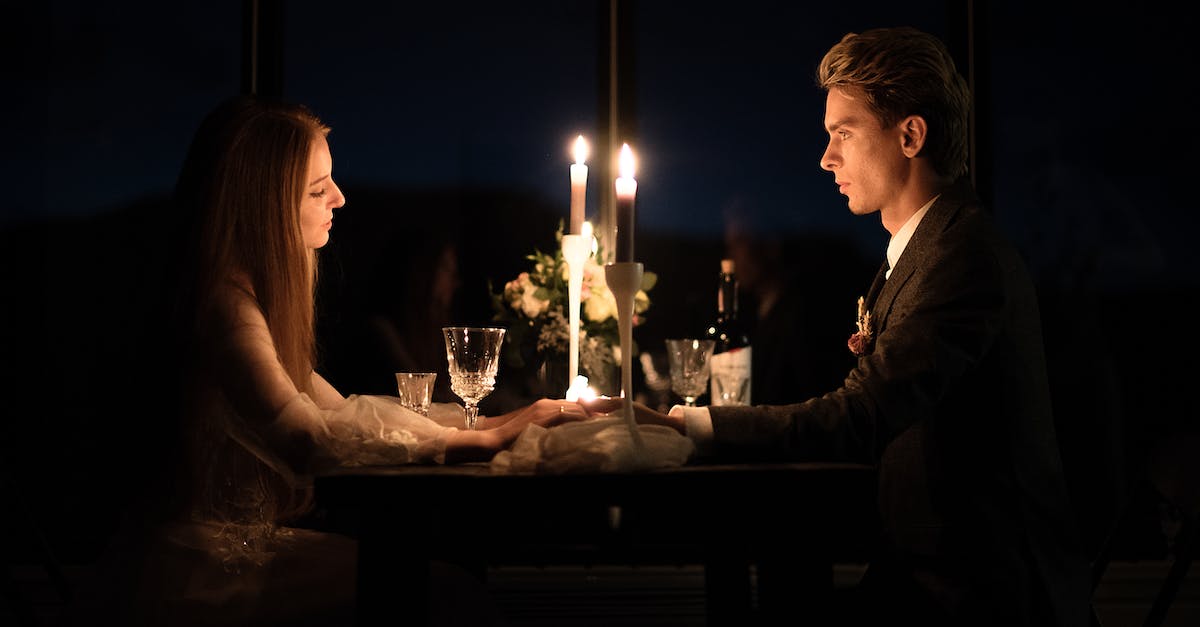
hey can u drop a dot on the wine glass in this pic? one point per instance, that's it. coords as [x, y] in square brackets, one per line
[473, 355]
[690, 364]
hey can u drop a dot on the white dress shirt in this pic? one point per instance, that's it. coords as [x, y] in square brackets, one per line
[899, 241]
[698, 422]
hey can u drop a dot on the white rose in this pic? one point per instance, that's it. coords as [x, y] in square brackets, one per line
[531, 305]
[514, 290]
[593, 279]
[600, 306]
[641, 302]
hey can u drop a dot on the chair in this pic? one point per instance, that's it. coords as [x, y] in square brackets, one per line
[1174, 471]
[1172, 480]
[27, 546]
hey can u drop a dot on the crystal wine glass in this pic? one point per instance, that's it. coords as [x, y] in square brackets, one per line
[473, 356]
[690, 367]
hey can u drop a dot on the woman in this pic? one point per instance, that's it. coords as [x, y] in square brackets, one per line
[258, 198]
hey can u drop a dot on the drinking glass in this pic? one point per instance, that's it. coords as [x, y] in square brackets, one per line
[690, 367]
[473, 354]
[730, 387]
[416, 390]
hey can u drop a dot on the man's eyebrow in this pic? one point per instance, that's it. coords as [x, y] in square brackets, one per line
[318, 180]
[850, 121]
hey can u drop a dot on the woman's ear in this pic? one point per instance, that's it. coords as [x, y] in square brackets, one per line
[913, 131]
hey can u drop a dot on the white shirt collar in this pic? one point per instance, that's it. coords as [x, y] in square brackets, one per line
[899, 241]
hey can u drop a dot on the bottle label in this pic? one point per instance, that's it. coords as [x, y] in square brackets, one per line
[730, 383]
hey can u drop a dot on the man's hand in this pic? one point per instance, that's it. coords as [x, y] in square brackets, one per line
[642, 414]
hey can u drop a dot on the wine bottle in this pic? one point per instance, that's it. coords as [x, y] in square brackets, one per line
[730, 381]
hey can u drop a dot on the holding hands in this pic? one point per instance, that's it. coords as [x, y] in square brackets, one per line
[642, 414]
[545, 412]
[494, 434]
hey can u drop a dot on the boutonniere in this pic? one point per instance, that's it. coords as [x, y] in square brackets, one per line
[860, 342]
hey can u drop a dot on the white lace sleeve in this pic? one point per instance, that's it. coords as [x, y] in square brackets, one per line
[363, 431]
[294, 432]
[448, 415]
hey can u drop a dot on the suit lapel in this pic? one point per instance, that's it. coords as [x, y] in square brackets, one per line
[887, 294]
[876, 285]
[918, 248]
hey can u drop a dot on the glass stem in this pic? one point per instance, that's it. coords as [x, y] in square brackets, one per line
[472, 412]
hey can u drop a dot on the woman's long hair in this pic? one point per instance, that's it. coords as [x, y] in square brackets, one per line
[242, 184]
[239, 195]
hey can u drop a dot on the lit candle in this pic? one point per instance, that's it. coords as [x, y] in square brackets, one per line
[579, 173]
[626, 190]
[580, 391]
[588, 236]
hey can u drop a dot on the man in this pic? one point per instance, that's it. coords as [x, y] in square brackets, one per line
[949, 396]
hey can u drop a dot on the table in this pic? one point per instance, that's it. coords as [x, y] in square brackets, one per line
[793, 520]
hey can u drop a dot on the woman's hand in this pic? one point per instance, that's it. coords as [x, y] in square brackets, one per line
[641, 413]
[545, 413]
[496, 434]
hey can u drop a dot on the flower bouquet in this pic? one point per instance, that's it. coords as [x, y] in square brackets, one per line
[534, 308]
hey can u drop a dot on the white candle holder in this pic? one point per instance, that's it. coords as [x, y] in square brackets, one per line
[576, 249]
[625, 279]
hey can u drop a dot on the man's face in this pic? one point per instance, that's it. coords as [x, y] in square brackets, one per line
[866, 159]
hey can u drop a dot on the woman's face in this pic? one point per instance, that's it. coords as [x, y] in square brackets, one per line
[321, 197]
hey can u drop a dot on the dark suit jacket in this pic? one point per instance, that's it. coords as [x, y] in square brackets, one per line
[951, 403]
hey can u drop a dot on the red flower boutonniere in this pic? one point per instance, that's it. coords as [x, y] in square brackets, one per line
[860, 342]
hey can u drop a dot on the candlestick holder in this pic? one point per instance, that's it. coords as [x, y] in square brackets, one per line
[576, 249]
[625, 279]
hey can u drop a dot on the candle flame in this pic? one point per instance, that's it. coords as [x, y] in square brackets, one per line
[626, 162]
[579, 390]
[589, 236]
[581, 150]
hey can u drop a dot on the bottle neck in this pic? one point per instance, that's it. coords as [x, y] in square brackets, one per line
[727, 298]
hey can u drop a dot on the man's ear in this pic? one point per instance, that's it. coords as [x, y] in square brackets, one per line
[913, 131]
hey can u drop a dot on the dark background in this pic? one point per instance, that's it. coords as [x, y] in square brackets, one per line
[455, 120]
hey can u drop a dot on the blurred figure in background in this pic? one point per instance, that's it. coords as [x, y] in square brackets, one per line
[410, 298]
[791, 302]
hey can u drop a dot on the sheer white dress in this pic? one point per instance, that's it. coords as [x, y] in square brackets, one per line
[256, 439]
